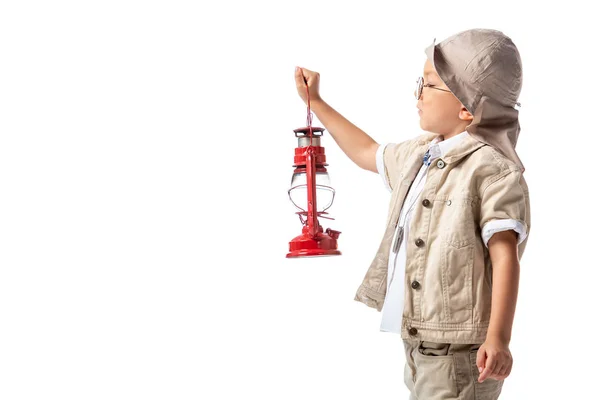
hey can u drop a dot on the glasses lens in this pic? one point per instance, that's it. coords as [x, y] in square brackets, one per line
[419, 88]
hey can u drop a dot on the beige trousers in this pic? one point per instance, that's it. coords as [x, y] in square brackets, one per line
[444, 371]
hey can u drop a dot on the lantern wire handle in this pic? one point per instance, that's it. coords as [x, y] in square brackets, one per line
[313, 221]
[308, 113]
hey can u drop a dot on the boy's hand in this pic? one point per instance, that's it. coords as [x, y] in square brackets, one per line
[306, 77]
[494, 360]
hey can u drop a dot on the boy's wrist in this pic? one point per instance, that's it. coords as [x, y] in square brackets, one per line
[317, 104]
[498, 337]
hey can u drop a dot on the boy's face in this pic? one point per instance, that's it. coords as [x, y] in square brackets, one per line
[441, 112]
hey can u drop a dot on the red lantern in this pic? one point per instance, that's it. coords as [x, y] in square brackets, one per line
[312, 194]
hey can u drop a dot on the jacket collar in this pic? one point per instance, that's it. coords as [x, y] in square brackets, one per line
[456, 152]
[439, 147]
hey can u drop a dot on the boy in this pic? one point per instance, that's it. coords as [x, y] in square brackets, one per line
[447, 269]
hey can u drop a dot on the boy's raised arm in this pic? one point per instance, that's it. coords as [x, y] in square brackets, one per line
[355, 143]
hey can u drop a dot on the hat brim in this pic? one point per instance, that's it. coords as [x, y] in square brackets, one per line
[430, 52]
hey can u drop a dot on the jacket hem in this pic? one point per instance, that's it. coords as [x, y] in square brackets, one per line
[445, 332]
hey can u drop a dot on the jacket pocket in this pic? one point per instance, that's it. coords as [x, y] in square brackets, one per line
[457, 261]
[459, 223]
[457, 283]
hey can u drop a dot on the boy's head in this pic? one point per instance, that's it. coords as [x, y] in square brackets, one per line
[472, 81]
[441, 111]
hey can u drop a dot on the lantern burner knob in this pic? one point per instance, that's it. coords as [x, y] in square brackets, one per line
[333, 233]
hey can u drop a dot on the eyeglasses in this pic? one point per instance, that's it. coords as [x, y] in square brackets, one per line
[420, 88]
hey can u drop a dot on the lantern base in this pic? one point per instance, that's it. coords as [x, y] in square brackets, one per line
[313, 253]
[322, 244]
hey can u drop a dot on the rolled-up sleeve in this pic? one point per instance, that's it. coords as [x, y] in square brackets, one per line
[381, 166]
[499, 225]
[390, 158]
[504, 206]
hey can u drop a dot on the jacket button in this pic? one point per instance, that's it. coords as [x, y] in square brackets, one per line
[412, 331]
[426, 203]
[419, 242]
[441, 164]
[415, 285]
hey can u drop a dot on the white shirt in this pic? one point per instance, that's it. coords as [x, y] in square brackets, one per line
[393, 305]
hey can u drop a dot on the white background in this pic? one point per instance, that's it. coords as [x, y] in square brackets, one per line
[146, 150]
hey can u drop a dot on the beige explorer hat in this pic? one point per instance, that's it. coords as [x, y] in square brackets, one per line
[482, 68]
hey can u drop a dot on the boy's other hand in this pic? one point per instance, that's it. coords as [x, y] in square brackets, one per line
[306, 77]
[494, 360]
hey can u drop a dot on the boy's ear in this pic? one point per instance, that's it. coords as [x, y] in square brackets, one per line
[465, 115]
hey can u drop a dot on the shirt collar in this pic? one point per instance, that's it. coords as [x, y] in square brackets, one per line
[439, 147]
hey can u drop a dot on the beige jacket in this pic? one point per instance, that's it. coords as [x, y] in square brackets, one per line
[448, 277]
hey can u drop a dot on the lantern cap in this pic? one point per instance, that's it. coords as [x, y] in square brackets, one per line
[317, 131]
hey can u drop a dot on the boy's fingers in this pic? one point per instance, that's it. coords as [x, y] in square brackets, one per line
[499, 367]
[298, 74]
[503, 371]
[487, 371]
[302, 77]
[508, 369]
[480, 359]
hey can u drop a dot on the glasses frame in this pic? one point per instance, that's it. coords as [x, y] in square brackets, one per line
[420, 87]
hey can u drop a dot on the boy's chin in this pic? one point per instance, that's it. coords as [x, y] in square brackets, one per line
[427, 127]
